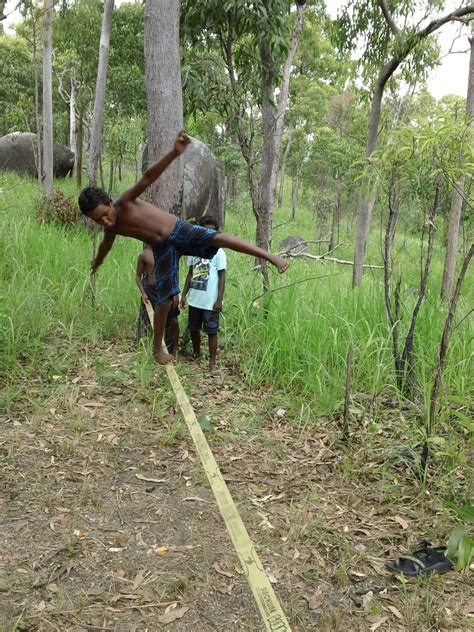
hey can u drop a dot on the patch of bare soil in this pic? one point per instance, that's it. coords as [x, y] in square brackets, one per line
[107, 522]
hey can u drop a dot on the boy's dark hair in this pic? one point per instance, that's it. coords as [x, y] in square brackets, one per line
[209, 219]
[91, 197]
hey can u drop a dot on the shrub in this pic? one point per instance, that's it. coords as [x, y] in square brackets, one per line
[61, 209]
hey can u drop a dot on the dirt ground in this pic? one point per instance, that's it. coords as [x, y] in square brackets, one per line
[107, 521]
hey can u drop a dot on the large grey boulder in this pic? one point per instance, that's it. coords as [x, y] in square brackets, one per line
[295, 245]
[18, 151]
[203, 181]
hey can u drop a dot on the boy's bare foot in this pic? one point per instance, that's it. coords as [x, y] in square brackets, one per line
[279, 263]
[163, 358]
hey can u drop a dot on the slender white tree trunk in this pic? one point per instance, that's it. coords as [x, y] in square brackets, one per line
[282, 170]
[47, 100]
[72, 123]
[457, 199]
[164, 98]
[99, 102]
[272, 131]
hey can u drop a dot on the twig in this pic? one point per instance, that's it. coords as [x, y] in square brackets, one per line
[323, 258]
[283, 287]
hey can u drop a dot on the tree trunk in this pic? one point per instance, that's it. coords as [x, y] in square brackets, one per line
[282, 171]
[38, 149]
[47, 100]
[272, 129]
[335, 212]
[111, 176]
[295, 182]
[99, 101]
[455, 214]
[80, 148]
[164, 98]
[72, 123]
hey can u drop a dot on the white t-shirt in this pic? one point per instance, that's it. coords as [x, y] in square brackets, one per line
[205, 280]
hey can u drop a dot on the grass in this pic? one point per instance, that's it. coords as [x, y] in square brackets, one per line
[297, 338]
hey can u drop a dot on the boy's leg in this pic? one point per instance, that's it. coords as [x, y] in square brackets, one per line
[212, 350]
[194, 326]
[210, 326]
[224, 240]
[159, 323]
[196, 340]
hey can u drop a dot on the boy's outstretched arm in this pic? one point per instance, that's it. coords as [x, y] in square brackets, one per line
[225, 240]
[105, 246]
[156, 169]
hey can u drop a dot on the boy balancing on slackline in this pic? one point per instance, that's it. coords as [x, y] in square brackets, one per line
[170, 237]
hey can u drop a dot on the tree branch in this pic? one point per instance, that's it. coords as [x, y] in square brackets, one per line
[389, 19]
[455, 16]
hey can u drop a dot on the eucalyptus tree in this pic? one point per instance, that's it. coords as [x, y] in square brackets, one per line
[47, 100]
[99, 101]
[164, 97]
[76, 42]
[232, 32]
[458, 195]
[393, 36]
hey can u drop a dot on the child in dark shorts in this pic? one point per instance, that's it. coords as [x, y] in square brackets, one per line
[204, 290]
[145, 278]
[169, 236]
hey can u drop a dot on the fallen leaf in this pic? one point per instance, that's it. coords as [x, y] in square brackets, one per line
[315, 600]
[122, 539]
[225, 590]
[138, 581]
[367, 598]
[161, 550]
[468, 610]
[221, 571]
[396, 612]
[378, 623]
[54, 520]
[150, 480]
[198, 499]
[271, 576]
[172, 615]
[401, 521]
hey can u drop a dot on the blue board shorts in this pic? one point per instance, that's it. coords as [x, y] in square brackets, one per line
[185, 239]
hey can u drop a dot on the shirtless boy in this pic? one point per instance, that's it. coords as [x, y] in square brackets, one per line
[170, 237]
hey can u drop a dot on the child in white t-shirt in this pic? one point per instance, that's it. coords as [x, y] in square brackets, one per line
[204, 291]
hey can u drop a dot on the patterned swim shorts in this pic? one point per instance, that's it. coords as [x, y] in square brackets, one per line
[185, 239]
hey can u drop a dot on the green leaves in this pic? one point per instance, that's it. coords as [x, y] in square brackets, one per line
[466, 512]
[460, 548]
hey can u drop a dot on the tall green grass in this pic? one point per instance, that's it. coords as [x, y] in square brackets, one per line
[296, 337]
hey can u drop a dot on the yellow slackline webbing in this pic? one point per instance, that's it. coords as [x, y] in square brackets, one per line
[267, 602]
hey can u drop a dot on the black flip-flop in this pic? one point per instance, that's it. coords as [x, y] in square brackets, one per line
[424, 561]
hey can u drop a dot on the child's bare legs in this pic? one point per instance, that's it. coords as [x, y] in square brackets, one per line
[224, 240]
[174, 334]
[196, 340]
[212, 351]
[159, 323]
